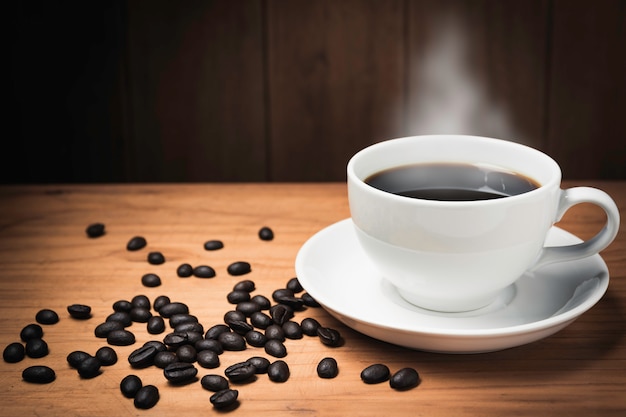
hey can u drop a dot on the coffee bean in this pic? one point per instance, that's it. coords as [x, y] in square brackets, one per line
[294, 285]
[278, 371]
[329, 337]
[189, 327]
[327, 368]
[309, 326]
[309, 301]
[89, 368]
[260, 320]
[174, 307]
[31, 331]
[265, 233]
[232, 341]
[106, 355]
[178, 319]
[281, 313]
[184, 270]
[146, 397]
[238, 268]
[95, 230]
[159, 346]
[14, 352]
[214, 382]
[241, 327]
[160, 301]
[186, 353]
[176, 339]
[280, 293]
[140, 315]
[247, 307]
[140, 301]
[276, 332]
[162, 359]
[122, 306]
[215, 330]
[121, 317]
[255, 338]
[156, 325]
[151, 280]
[240, 372]
[103, 329]
[292, 330]
[120, 338]
[79, 311]
[275, 348]
[233, 316]
[76, 357]
[203, 271]
[209, 344]
[260, 364]
[38, 374]
[245, 285]
[142, 357]
[224, 398]
[213, 245]
[36, 348]
[136, 243]
[235, 297]
[180, 372]
[130, 385]
[208, 359]
[293, 302]
[155, 258]
[47, 316]
[375, 374]
[404, 379]
[262, 301]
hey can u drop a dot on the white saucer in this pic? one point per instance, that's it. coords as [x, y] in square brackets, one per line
[333, 269]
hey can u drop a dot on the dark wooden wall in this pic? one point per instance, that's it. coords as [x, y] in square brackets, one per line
[287, 90]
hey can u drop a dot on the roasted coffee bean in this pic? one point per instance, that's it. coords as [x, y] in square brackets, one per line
[122, 306]
[147, 397]
[260, 320]
[120, 338]
[180, 372]
[214, 382]
[309, 326]
[186, 353]
[103, 329]
[142, 357]
[136, 243]
[276, 332]
[79, 311]
[173, 307]
[47, 316]
[292, 330]
[151, 280]
[189, 327]
[106, 355]
[14, 352]
[240, 372]
[215, 330]
[140, 301]
[89, 368]
[121, 317]
[76, 357]
[241, 327]
[404, 379]
[156, 325]
[36, 348]
[260, 364]
[184, 270]
[329, 337]
[208, 359]
[375, 374]
[309, 301]
[245, 285]
[295, 303]
[160, 301]
[209, 344]
[262, 301]
[140, 315]
[130, 385]
[203, 271]
[38, 374]
[294, 285]
[275, 348]
[177, 319]
[255, 338]
[159, 346]
[232, 341]
[278, 371]
[176, 339]
[282, 293]
[327, 368]
[235, 297]
[247, 307]
[233, 316]
[265, 233]
[95, 230]
[31, 331]
[224, 398]
[155, 258]
[238, 268]
[213, 245]
[164, 358]
[281, 313]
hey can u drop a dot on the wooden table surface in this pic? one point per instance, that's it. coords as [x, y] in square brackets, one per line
[47, 261]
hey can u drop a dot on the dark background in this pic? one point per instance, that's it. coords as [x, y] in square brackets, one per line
[271, 90]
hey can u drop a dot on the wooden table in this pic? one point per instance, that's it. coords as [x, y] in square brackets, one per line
[47, 261]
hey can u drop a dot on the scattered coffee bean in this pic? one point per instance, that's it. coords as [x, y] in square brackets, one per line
[76, 357]
[36, 348]
[292, 330]
[146, 397]
[121, 317]
[275, 332]
[309, 301]
[120, 338]
[122, 306]
[177, 339]
[140, 301]
[233, 316]
[375, 374]
[278, 371]
[255, 338]
[103, 329]
[156, 325]
[159, 346]
[189, 327]
[186, 353]
[235, 297]
[209, 344]
[245, 285]
[130, 385]
[241, 327]
[38, 374]
[262, 301]
[95, 230]
[208, 358]
[232, 341]
[180, 372]
[215, 330]
[150, 280]
[106, 355]
[281, 313]
[184, 270]
[240, 372]
[238, 268]
[404, 379]
[47, 316]
[178, 319]
[281, 293]
[203, 271]
[260, 363]
[329, 337]
[140, 315]
[79, 311]
[174, 307]
[214, 382]
[14, 352]
[136, 243]
[248, 307]
[213, 245]
[327, 368]
[275, 348]
[260, 320]
[142, 357]
[31, 331]
[89, 368]
[156, 258]
[265, 233]
[164, 358]
[160, 301]
[309, 326]
[224, 398]
[294, 285]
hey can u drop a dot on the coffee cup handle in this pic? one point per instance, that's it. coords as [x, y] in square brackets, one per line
[570, 197]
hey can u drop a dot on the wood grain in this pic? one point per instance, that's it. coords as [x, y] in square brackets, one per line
[47, 261]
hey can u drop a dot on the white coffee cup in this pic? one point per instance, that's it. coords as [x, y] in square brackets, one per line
[456, 256]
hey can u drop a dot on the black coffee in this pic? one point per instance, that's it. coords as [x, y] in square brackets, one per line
[451, 182]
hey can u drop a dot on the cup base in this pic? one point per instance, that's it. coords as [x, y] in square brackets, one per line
[448, 306]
